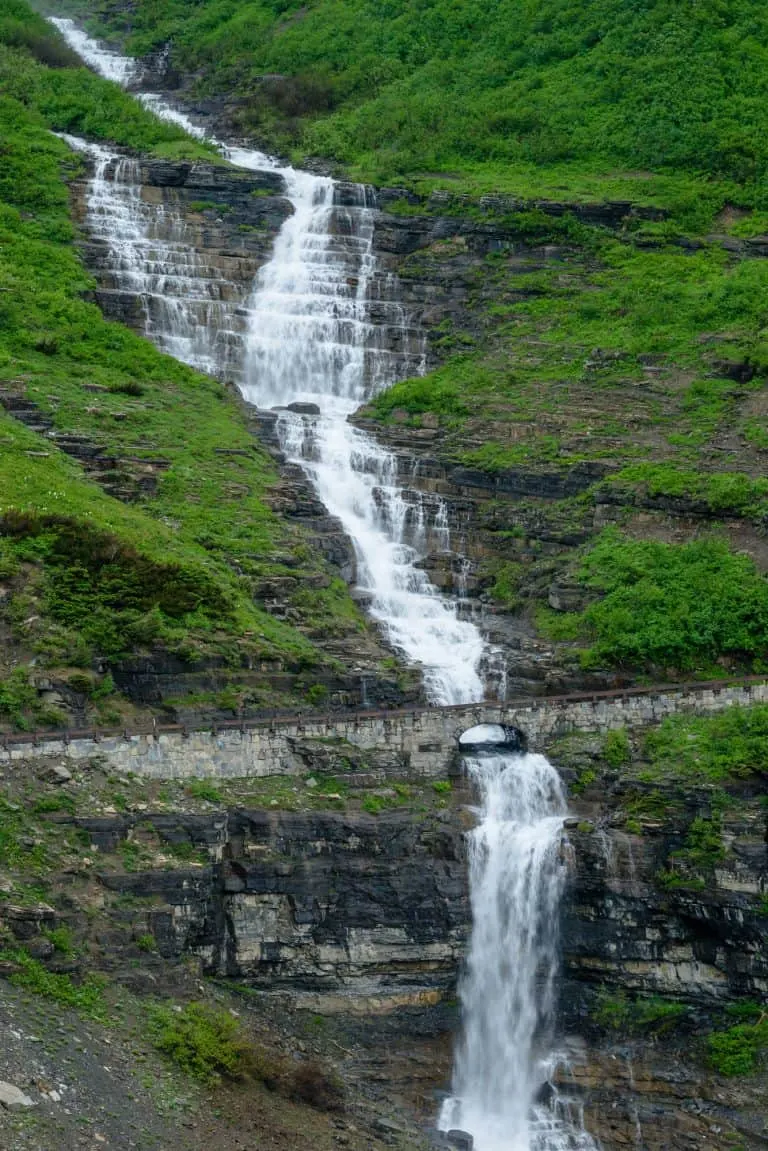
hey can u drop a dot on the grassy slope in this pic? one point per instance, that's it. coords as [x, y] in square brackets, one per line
[594, 97]
[89, 576]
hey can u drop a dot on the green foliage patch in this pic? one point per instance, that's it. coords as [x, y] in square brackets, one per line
[86, 996]
[666, 606]
[616, 1011]
[604, 97]
[616, 749]
[203, 1041]
[741, 1049]
[726, 746]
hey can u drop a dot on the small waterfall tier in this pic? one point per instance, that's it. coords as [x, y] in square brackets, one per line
[189, 309]
[504, 1061]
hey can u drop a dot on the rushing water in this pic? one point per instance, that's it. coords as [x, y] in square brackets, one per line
[516, 875]
[310, 341]
[190, 309]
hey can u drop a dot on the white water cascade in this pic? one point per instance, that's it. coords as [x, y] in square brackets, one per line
[504, 1061]
[309, 342]
[190, 310]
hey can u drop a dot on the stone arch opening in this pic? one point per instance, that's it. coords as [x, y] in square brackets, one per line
[492, 739]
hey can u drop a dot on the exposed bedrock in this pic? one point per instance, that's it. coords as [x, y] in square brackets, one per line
[366, 917]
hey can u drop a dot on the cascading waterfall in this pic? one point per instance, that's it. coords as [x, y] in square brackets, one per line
[310, 342]
[189, 308]
[516, 874]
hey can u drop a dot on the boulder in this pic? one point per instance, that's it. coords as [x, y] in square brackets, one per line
[13, 1098]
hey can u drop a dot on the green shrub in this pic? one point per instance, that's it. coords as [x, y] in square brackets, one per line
[17, 698]
[616, 1011]
[317, 694]
[616, 749]
[51, 803]
[205, 1042]
[673, 606]
[741, 1049]
[62, 939]
[204, 789]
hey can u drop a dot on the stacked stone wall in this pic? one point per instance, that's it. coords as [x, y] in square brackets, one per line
[421, 742]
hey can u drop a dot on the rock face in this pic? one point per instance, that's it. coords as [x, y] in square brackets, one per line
[334, 908]
[366, 916]
[228, 216]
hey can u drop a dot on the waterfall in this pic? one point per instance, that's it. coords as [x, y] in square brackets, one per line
[310, 343]
[504, 1061]
[189, 309]
[313, 352]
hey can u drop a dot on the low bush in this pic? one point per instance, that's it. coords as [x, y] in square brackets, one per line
[616, 749]
[204, 789]
[741, 1049]
[666, 606]
[205, 1042]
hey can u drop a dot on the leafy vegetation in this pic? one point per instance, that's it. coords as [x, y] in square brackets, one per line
[617, 1011]
[203, 1041]
[670, 606]
[729, 492]
[741, 1049]
[607, 97]
[694, 863]
[616, 749]
[87, 996]
[726, 746]
[204, 789]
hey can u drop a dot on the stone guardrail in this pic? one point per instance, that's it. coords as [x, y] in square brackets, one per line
[416, 740]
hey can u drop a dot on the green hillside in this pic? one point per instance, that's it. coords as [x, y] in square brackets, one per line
[599, 94]
[86, 580]
[638, 350]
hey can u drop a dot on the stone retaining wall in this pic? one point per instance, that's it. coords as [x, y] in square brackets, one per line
[423, 743]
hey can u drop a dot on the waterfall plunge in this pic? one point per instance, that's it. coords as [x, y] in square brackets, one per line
[507, 992]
